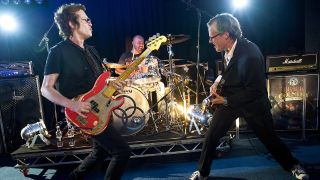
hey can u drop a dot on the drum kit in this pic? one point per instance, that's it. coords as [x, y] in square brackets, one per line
[147, 97]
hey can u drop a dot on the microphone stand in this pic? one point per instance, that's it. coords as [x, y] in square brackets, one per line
[199, 12]
[198, 55]
[45, 38]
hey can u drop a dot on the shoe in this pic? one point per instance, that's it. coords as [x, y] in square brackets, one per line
[299, 172]
[197, 176]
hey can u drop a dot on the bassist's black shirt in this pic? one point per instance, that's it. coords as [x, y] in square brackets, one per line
[76, 76]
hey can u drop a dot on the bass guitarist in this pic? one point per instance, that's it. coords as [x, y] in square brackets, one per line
[71, 69]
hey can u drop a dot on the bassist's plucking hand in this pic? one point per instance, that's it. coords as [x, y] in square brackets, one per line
[80, 107]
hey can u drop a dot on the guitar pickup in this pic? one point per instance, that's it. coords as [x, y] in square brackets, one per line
[96, 109]
[108, 103]
[94, 106]
[82, 120]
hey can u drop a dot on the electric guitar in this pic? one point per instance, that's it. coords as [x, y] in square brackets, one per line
[207, 101]
[100, 96]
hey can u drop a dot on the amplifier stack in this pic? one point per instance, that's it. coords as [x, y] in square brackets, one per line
[293, 88]
[20, 102]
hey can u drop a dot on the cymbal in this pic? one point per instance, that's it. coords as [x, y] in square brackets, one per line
[173, 60]
[115, 65]
[175, 39]
[180, 65]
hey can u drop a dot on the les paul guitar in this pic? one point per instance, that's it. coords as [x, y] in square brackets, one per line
[100, 96]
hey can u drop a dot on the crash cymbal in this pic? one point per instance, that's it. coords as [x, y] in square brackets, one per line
[115, 65]
[175, 39]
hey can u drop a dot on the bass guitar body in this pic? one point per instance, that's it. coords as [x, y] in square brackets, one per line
[98, 118]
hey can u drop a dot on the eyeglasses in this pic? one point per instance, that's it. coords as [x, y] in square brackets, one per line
[212, 38]
[88, 20]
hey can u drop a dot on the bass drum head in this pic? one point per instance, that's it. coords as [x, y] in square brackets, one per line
[133, 115]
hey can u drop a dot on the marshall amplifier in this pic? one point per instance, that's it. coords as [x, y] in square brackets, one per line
[286, 63]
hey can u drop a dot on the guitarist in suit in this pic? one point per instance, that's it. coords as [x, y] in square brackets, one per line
[242, 94]
[71, 70]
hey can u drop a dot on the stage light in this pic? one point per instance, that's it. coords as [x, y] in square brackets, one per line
[16, 2]
[5, 2]
[39, 1]
[8, 23]
[27, 1]
[240, 4]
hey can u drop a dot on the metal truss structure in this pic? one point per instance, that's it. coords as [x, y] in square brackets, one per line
[76, 155]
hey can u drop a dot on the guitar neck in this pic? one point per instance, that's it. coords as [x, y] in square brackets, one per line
[108, 92]
[133, 66]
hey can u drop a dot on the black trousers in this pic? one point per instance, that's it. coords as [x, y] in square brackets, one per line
[262, 125]
[109, 142]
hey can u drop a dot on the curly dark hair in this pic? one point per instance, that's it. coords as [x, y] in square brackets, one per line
[64, 14]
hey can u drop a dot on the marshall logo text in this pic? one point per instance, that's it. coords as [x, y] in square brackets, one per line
[293, 61]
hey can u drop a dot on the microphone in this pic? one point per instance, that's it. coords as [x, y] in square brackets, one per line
[44, 39]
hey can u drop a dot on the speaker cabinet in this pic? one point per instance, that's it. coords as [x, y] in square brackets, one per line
[294, 99]
[20, 105]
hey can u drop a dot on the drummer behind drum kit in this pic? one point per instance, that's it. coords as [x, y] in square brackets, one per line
[146, 97]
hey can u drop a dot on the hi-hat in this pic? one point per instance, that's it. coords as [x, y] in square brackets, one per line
[115, 65]
[175, 39]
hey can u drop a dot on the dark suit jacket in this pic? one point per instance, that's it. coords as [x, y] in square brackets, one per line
[245, 80]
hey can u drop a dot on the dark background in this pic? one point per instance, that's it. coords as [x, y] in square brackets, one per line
[276, 26]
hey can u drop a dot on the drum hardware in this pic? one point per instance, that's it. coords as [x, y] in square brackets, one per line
[174, 60]
[168, 113]
[198, 114]
[176, 39]
[172, 107]
[148, 72]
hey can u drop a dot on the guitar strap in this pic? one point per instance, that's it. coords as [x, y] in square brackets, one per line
[92, 57]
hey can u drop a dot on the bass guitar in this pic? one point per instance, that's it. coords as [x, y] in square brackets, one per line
[100, 96]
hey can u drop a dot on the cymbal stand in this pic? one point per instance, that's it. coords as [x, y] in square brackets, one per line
[167, 111]
[170, 106]
[205, 67]
[199, 13]
[158, 101]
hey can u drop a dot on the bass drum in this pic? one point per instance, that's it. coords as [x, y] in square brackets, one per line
[133, 115]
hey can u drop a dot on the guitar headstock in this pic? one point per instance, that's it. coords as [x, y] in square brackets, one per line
[155, 41]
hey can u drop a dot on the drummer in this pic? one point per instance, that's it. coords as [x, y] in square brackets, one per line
[128, 57]
[146, 67]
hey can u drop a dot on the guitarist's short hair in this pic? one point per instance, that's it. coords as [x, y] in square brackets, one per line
[227, 23]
